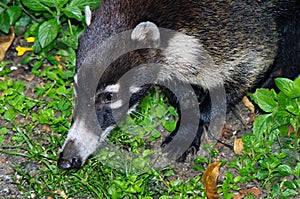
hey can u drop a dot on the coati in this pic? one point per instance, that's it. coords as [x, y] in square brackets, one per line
[209, 45]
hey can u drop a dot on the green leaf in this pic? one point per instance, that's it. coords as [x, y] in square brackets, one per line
[10, 115]
[284, 170]
[262, 174]
[265, 99]
[3, 86]
[169, 125]
[47, 32]
[61, 90]
[4, 22]
[160, 111]
[3, 131]
[296, 172]
[14, 13]
[73, 12]
[289, 193]
[35, 5]
[261, 125]
[288, 87]
[82, 3]
[70, 41]
[54, 3]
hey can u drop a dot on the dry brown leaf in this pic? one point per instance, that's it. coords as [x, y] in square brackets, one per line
[46, 127]
[61, 193]
[5, 42]
[238, 146]
[30, 78]
[210, 178]
[255, 191]
[238, 196]
[248, 104]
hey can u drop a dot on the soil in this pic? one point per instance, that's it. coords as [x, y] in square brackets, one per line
[237, 124]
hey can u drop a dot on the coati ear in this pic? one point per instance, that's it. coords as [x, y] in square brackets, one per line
[147, 33]
[88, 15]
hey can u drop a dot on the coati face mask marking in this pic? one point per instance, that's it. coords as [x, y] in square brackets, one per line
[112, 103]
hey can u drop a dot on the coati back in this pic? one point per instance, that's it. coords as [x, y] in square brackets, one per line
[230, 43]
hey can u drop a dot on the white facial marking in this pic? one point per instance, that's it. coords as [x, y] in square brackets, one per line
[134, 89]
[75, 79]
[112, 88]
[85, 141]
[75, 82]
[116, 104]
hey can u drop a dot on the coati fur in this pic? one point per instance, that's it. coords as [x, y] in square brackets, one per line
[240, 42]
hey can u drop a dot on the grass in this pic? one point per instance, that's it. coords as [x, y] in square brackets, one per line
[36, 122]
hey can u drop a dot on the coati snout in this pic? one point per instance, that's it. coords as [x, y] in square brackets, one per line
[209, 45]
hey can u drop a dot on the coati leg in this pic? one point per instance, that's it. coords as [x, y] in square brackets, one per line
[205, 108]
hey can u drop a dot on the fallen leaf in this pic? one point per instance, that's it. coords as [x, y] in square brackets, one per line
[61, 193]
[30, 39]
[57, 57]
[238, 146]
[5, 42]
[22, 50]
[238, 196]
[210, 178]
[30, 78]
[255, 191]
[248, 104]
[46, 127]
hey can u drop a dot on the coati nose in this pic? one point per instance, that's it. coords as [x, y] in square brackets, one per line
[70, 163]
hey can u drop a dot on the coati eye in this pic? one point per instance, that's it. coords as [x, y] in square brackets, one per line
[107, 97]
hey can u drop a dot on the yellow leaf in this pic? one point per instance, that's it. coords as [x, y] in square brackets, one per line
[238, 146]
[22, 50]
[30, 39]
[5, 42]
[210, 178]
[248, 104]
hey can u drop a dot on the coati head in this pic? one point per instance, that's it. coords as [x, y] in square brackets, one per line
[114, 91]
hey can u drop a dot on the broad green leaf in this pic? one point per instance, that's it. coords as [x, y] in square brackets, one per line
[169, 125]
[70, 41]
[160, 111]
[284, 170]
[35, 5]
[265, 99]
[54, 3]
[3, 86]
[288, 87]
[10, 115]
[73, 12]
[14, 13]
[296, 172]
[61, 90]
[47, 32]
[289, 193]
[4, 22]
[261, 125]
[82, 3]
[262, 174]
